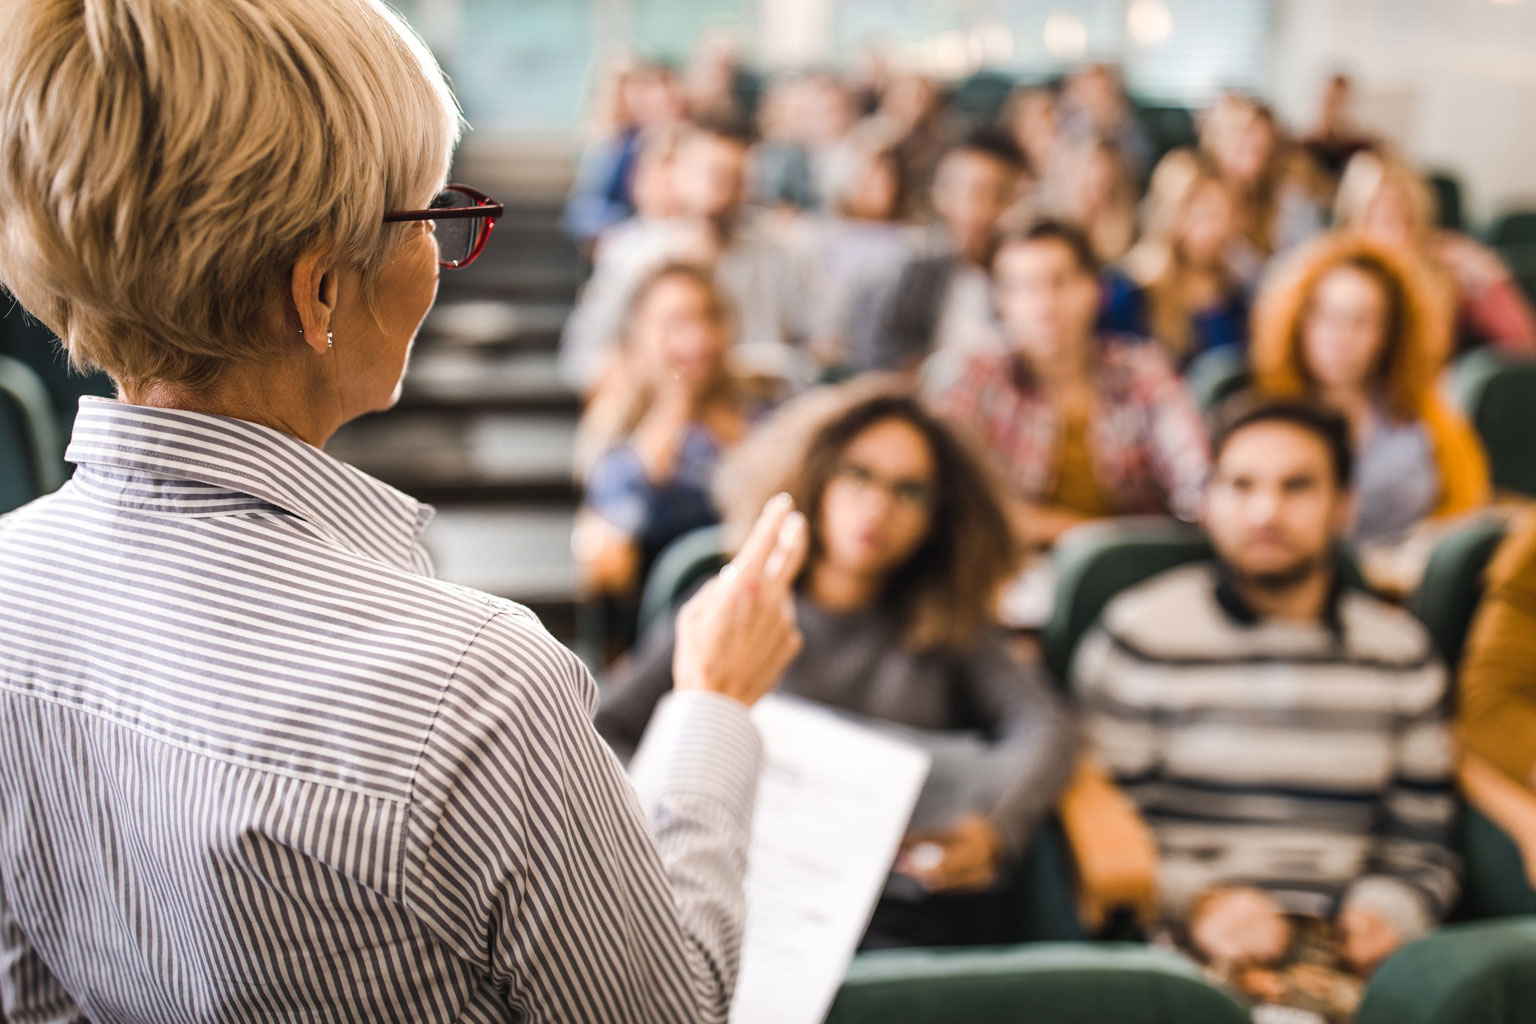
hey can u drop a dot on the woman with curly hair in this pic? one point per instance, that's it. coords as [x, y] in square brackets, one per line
[909, 543]
[1350, 322]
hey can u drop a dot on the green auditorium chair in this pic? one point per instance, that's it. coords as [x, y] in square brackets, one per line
[30, 452]
[1481, 973]
[1168, 127]
[1517, 227]
[1047, 983]
[1215, 376]
[1449, 206]
[1498, 394]
[679, 570]
[24, 339]
[1497, 811]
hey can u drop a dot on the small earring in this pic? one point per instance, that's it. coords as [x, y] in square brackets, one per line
[330, 342]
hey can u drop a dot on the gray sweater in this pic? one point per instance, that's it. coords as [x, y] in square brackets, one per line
[858, 663]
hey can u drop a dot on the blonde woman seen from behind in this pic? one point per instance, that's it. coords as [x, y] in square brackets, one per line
[289, 775]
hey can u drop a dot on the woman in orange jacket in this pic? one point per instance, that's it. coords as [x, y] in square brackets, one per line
[1351, 322]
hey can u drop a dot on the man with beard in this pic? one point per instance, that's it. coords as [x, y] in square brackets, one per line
[1284, 733]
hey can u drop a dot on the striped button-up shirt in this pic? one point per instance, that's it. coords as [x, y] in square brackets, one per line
[256, 764]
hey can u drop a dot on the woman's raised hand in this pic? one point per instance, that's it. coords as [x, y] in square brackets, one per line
[737, 634]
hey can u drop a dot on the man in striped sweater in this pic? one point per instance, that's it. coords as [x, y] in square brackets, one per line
[1284, 733]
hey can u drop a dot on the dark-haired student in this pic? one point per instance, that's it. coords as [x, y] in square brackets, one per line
[939, 299]
[909, 544]
[1284, 733]
[1082, 425]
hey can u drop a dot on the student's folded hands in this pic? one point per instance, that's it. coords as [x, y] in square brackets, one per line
[963, 858]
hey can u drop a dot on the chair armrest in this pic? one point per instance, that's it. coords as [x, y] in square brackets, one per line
[1112, 848]
[1503, 801]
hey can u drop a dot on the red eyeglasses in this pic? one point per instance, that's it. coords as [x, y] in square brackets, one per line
[464, 219]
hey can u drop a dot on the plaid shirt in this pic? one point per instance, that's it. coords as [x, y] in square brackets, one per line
[1150, 451]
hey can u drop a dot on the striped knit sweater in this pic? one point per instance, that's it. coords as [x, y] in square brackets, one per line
[1311, 760]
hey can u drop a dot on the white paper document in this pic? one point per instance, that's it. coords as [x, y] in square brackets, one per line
[833, 803]
[832, 806]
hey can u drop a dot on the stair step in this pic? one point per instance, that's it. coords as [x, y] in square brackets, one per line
[498, 322]
[449, 455]
[483, 379]
[515, 551]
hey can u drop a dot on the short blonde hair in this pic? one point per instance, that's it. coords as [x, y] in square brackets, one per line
[1365, 177]
[166, 163]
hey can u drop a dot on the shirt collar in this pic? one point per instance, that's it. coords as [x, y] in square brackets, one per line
[1239, 611]
[122, 448]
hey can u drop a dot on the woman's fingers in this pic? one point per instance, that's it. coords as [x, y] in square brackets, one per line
[750, 563]
[783, 566]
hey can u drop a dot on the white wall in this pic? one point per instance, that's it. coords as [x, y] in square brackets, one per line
[1451, 82]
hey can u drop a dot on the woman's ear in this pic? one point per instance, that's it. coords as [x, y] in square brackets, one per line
[314, 292]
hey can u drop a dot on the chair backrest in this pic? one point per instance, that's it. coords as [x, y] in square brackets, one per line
[1094, 563]
[685, 563]
[1449, 208]
[1452, 586]
[1168, 127]
[1216, 376]
[18, 475]
[1516, 227]
[28, 341]
[1070, 983]
[31, 452]
[1499, 396]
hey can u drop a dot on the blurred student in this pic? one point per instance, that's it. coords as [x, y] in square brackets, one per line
[1082, 425]
[655, 432]
[632, 98]
[1184, 292]
[1335, 139]
[940, 299]
[1089, 185]
[1031, 119]
[1388, 200]
[1283, 732]
[1496, 692]
[858, 244]
[650, 187]
[803, 120]
[1276, 206]
[716, 84]
[1094, 105]
[915, 120]
[757, 273]
[909, 544]
[1350, 322]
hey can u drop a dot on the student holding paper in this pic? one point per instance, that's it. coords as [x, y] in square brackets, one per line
[909, 543]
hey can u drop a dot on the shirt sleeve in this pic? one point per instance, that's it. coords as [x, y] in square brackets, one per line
[1411, 882]
[1032, 732]
[617, 490]
[29, 992]
[1497, 688]
[530, 858]
[1120, 732]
